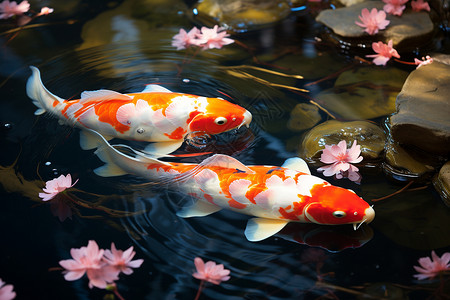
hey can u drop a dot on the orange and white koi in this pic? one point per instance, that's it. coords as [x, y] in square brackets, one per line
[153, 115]
[274, 195]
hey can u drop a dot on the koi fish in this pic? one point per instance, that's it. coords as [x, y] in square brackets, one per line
[274, 195]
[154, 115]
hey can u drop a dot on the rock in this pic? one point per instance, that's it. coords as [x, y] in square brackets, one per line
[368, 135]
[410, 30]
[366, 93]
[303, 116]
[441, 183]
[423, 109]
[241, 16]
[351, 2]
[401, 165]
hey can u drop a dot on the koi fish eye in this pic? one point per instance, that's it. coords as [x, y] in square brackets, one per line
[220, 121]
[140, 130]
[339, 214]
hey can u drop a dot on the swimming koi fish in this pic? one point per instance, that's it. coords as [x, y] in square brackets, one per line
[153, 115]
[274, 195]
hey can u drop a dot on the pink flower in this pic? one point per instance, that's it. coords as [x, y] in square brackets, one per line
[341, 160]
[210, 271]
[429, 268]
[6, 291]
[45, 11]
[373, 21]
[184, 39]
[385, 52]
[10, 9]
[420, 5]
[89, 260]
[211, 38]
[122, 260]
[55, 186]
[425, 61]
[394, 7]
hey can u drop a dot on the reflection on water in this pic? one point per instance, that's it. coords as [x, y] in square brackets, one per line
[130, 211]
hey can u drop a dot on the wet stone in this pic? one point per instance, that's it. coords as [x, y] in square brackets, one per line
[409, 30]
[423, 109]
[239, 15]
[441, 183]
[303, 116]
[366, 93]
[368, 135]
[401, 165]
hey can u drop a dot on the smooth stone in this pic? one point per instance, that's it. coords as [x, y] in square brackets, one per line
[368, 135]
[401, 165]
[241, 16]
[303, 116]
[367, 93]
[350, 2]
[423, 110]
[441, 183]
[411, 29]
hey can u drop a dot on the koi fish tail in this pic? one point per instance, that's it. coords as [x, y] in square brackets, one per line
[41, 97]
[118, 163]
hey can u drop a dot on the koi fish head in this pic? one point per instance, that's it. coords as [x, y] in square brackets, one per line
[334, 205]
[220, 116]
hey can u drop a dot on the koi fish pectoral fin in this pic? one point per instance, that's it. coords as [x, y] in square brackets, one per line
[160, 149]
[154, 88]
[259, 229]
[297, 164]
[199, 209]
[89, 141]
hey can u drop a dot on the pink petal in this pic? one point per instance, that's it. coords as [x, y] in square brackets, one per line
[74, 275]
[199, 265]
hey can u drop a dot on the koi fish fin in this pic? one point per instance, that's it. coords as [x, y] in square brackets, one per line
[109, 170]
[161, 149]
[41, 97]
[89, 141]
[259, 229]
[225, 161]
[154, 88]
[297, 164]
[199, 209]
[103, 95]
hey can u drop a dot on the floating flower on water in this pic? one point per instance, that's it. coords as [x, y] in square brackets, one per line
[425, 61]
[10, 9]
[373, 21]
[429, 268]
[45, 11]
[55, 186]
[6, 291]
[89, 260]
[121, 260]
[420, 5]
[206, 38]
[184, 39]
[394, 7]
[341, 160]
[211, 38]
[210, 271]
[385, 52]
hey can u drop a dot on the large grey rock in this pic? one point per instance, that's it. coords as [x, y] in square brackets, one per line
[423, 109]
[411, 29]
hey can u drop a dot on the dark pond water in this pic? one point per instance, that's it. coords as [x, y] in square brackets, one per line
[301, 262]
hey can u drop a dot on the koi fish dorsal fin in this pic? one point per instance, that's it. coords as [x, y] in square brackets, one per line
[154, 88]
[225, 161]
[297, 164]
[199, 209]
[259, 229]
[102, 95]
